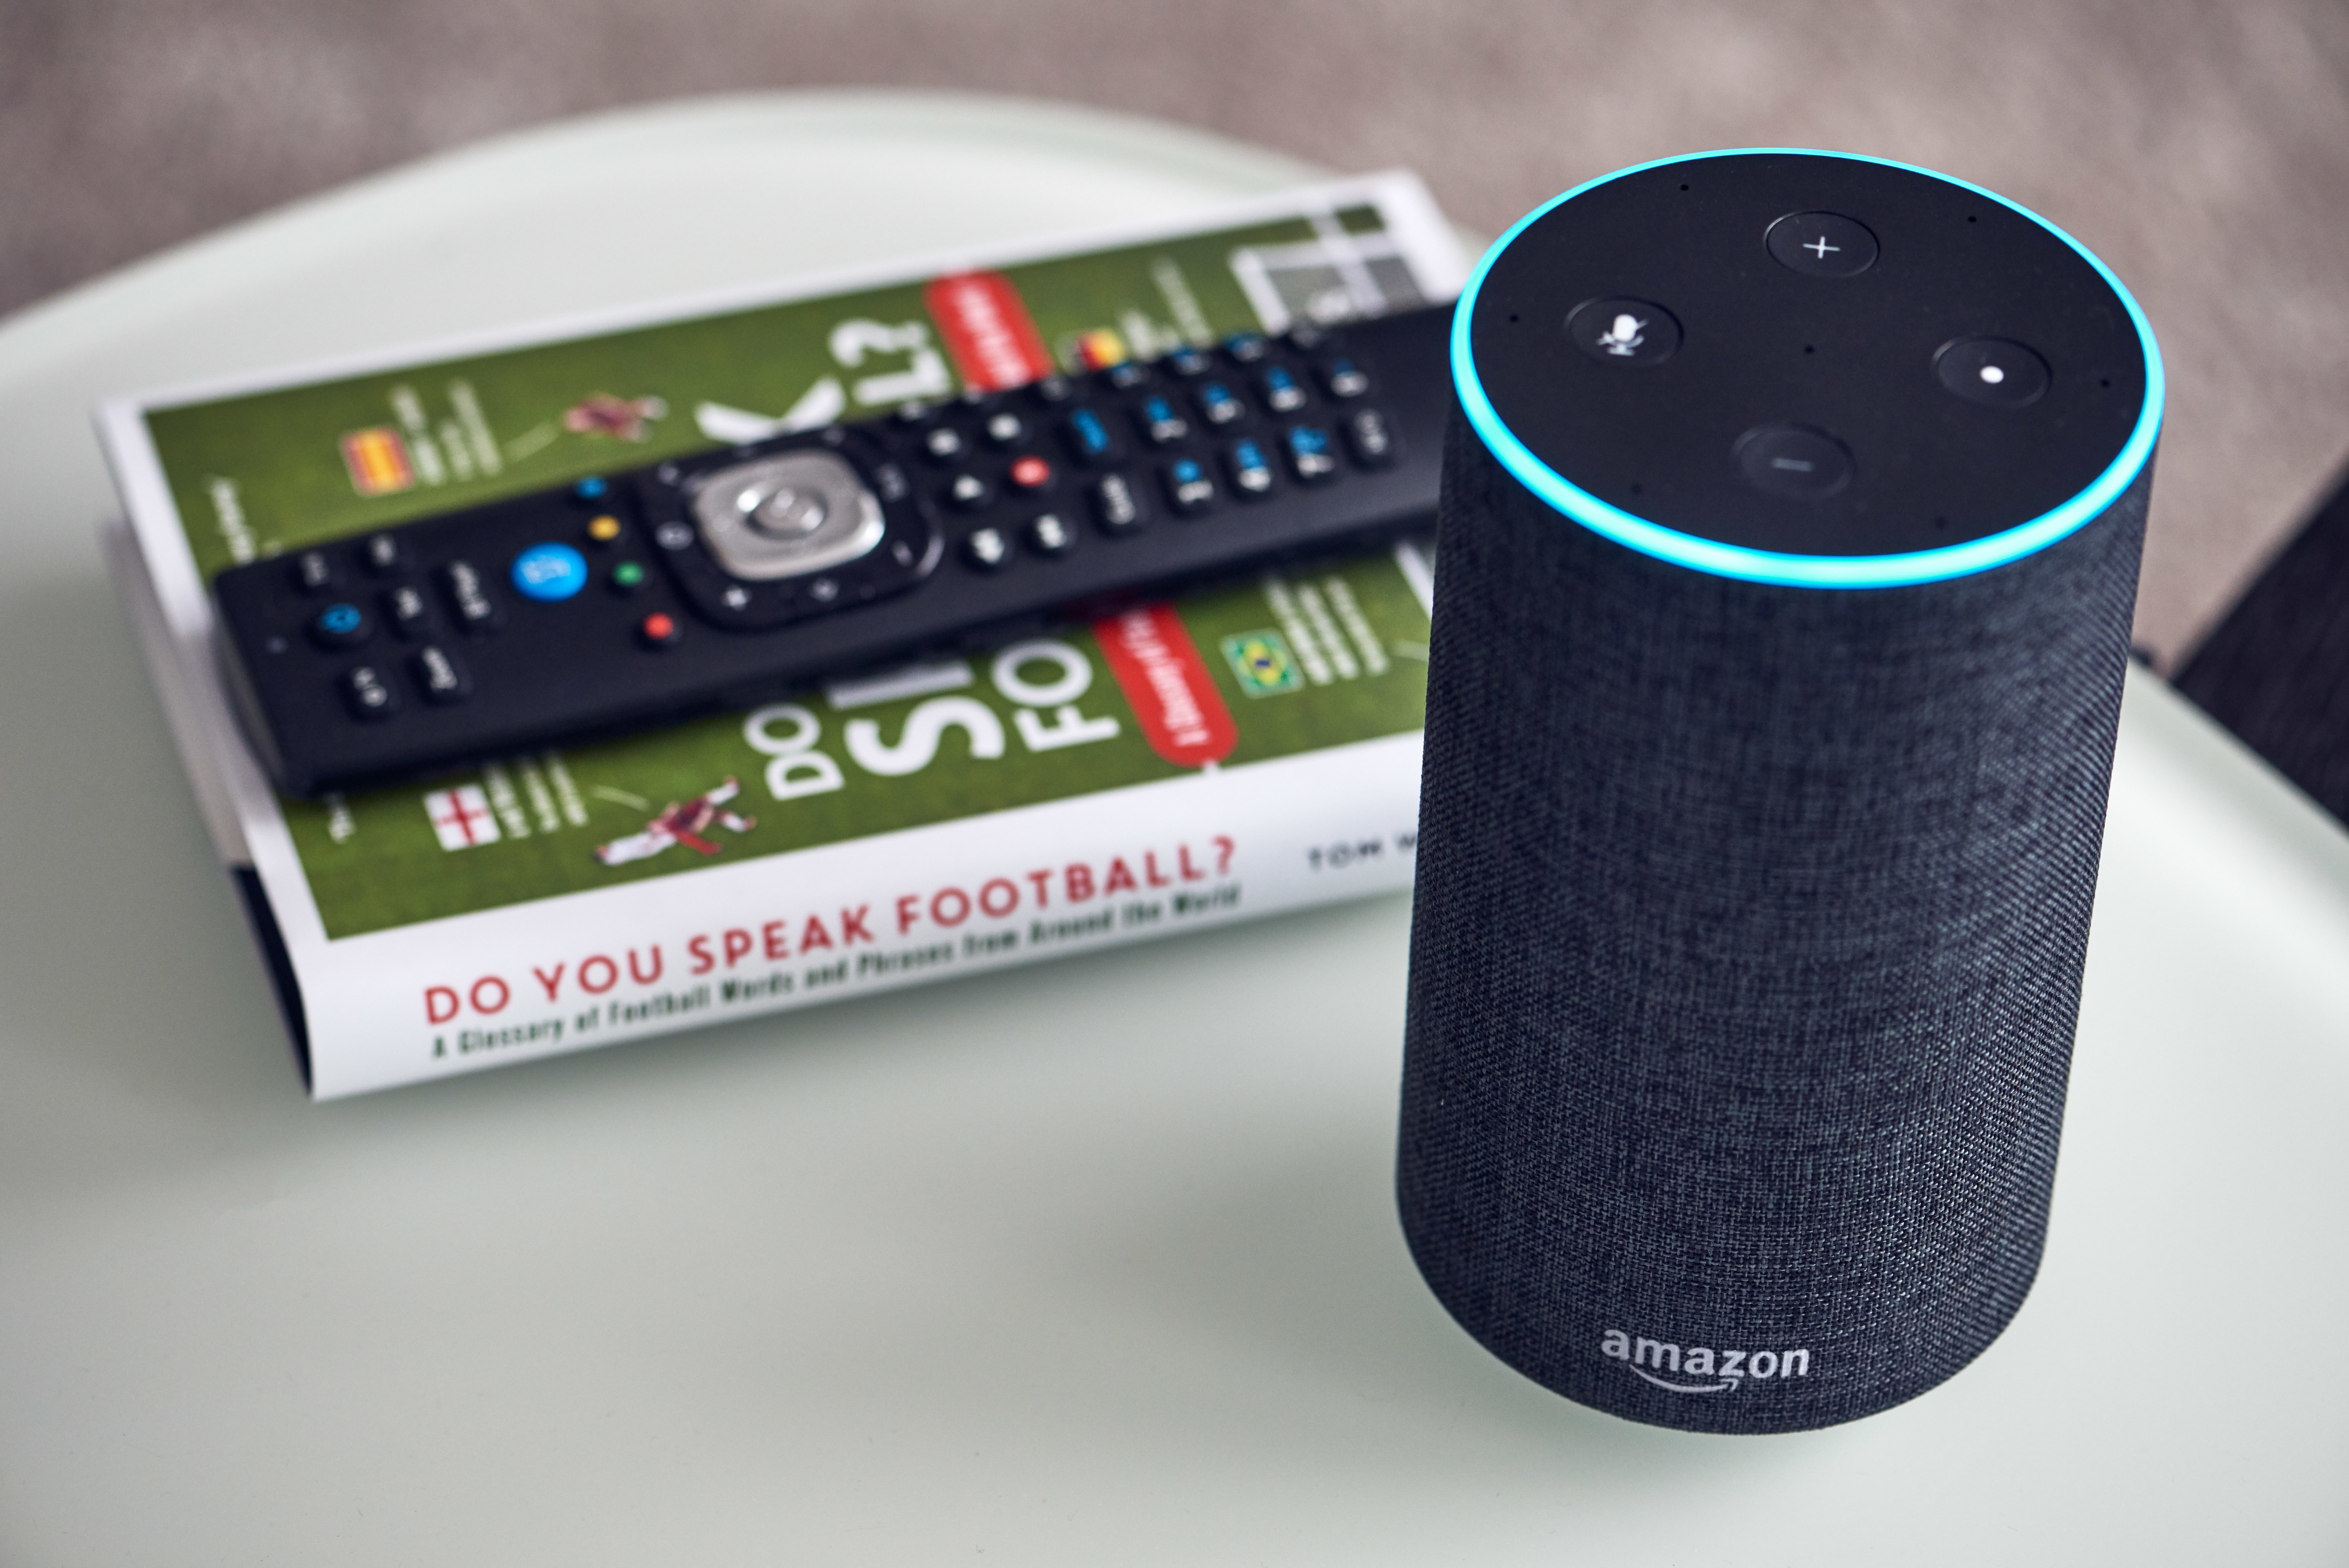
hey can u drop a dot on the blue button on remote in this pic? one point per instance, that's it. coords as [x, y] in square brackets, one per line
[549, 573]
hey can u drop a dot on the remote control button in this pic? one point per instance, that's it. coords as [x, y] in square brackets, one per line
[1283, 394]
[1310, 457]
[1342, 379]
[1188, 489]
[986, 549]
[313, 572]
[1821, 244]
[341, 626]
[1030, 472]
[1052, 390]
[1048, 535]
[1127, 376]
[969, 492]
[366, 694]
[1116, 507]
[382, 554]
[1369, 438]
[1089, 438]
[1158, 419]
[912, 414]
[1217, 405]
[1619, 330]
[604, 529]
[1187, 362]
[1250, 470]
[405, 607]
[1248, 348]
[944, 443]
[1005, 429]
[823, 590]
[591, 488]
[442, 678]
[1307, 335]
[1992, 371]
[627, 577]
[1793, 460]
[657, 630]
[549, 573]
[672, 535]
[469, 596]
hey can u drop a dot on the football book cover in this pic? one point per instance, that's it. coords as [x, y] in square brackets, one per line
[1239, 748]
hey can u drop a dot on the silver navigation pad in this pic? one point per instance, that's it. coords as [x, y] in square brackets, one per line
[786, 515]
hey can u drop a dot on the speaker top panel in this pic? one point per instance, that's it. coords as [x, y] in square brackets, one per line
[1807, 367]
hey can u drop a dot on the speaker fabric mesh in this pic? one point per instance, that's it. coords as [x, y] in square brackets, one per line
[1745, 957]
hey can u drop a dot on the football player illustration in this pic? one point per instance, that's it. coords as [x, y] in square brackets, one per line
[680, 822]
[605, 415]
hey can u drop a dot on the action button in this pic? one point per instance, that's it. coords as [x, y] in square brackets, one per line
[1159, 420]
[657, 630]
[1030, 472]
[444, 679]
[1126, 376]
[1369, 438]
[1005, 429]
[1188, 489]
[1051, 536]
[341, 626]
[944, 443]
[1821, 244]
[1089, 438]
[314, 573]
[1619, 330]
[1310, 457]
[627, 577]
[1992, 371]
[673, 535]
[1282, 393]
[969, 492]
[1116, 506]
[382, 554]
[1793, 460]
[469, 596]
[1342, 379]
[1217, 406]
[986, 549]
[549, 573]
[366, 694]
[1248, 348]
[591, 488]
[1187, 362]
[604, 529]
[1251, 471]
[410, 617]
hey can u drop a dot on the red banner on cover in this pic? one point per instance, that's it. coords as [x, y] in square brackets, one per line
[988, 330]
[1183, 715]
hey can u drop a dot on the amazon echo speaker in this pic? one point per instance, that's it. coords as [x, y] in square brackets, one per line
[1787, 548]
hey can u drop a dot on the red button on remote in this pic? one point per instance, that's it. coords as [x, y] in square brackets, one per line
[660, 631]
[1032, 472]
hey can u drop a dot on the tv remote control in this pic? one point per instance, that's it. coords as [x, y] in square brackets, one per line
[724, 578]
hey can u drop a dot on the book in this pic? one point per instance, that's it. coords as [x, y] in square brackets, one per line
[1240, 748]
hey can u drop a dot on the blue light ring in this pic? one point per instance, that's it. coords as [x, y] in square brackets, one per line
[1776, 567]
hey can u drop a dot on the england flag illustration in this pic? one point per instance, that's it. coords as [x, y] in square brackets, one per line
[461, 816]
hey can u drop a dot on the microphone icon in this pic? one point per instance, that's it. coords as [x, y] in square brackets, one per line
[1623, 335]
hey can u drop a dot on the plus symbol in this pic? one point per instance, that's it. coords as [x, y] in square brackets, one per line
[1821, 247]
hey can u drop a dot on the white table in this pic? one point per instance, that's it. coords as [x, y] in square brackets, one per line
[1093, 1262]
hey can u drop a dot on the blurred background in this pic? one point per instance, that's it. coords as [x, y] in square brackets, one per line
[2202, 148]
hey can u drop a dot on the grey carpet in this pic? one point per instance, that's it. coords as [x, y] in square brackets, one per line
[2203, 149]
